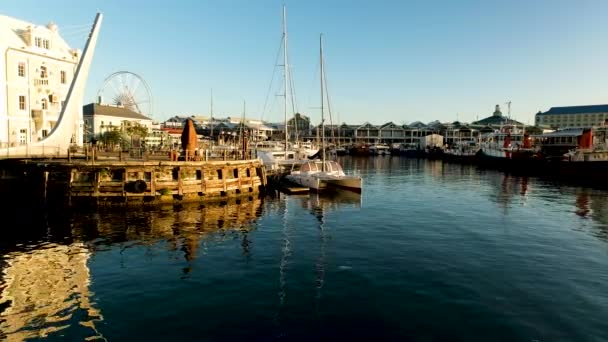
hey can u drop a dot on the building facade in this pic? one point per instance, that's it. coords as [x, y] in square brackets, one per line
[99, 119]
[573, 116]
[36, 70]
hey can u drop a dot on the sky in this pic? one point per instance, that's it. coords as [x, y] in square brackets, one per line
[385, 60]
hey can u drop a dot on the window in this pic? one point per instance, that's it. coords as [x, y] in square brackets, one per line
[43, 73]
[44, 104]
[38, 41]
[45, 133]
[22, 102]
[22, 136]
[63, 77]
[46, 44]
[21, 69]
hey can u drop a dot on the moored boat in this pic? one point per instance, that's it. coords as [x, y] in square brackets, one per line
[509, 147]
[321, 175]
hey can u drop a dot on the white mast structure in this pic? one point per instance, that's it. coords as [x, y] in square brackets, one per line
[211, 114]
[322, 99]
[285, 70]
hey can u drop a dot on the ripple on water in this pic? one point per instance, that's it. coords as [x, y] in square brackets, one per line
[429, 251]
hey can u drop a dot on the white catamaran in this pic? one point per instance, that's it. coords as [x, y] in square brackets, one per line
[322, 174]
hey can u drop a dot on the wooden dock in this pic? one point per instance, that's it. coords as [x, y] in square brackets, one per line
[127, 182]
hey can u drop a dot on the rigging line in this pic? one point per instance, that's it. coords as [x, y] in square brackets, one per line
[313, 82]
[294, 105]
[328, 99]
[294, 101]
[274, 70]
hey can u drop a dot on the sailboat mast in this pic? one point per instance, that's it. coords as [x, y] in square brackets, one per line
[211, 114]
[322, 98]
[285, 74]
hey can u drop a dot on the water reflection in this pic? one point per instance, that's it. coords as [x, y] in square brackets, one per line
[45, 285]
[593, 204]
[45, 290]
[183, 228]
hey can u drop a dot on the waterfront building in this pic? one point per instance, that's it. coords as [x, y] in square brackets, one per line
[101, 118]
[299, 126]
[573, 116]
[391, 133]
[496, 120]
[36, 70]
[458, 132]
[367, 133]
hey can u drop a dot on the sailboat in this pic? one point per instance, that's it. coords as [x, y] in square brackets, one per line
[322, 174]
[278, 157]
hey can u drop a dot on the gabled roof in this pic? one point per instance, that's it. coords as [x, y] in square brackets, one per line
[368, 126]
[390, 124]
[577, 110]
[416, 124]
[93, 109]
[496, 121]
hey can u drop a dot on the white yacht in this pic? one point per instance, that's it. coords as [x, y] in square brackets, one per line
[380, 149]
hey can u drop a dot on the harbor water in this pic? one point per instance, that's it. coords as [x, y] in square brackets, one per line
[430, 251]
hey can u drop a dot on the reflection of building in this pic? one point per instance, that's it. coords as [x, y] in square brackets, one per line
[183, 229]
[44, 289]
[37, 67]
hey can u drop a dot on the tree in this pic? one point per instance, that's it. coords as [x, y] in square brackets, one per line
[135, 129]
[111, 138]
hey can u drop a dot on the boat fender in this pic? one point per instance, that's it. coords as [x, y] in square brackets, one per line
[138, 186]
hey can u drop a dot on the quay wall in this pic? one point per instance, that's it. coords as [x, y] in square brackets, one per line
[129, 182]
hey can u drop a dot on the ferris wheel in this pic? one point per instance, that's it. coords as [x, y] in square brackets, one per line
[128, 90]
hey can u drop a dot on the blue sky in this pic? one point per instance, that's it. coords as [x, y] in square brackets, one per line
[399, 61]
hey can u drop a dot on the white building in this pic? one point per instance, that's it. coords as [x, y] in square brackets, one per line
[99, 118]
[573, 116]
[36, 70]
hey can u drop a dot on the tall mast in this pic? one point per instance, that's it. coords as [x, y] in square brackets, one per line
[322, 98]
[285, 73]
[211, 113]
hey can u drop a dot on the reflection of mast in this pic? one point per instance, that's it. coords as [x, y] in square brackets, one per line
[321, 261]
[286, 253]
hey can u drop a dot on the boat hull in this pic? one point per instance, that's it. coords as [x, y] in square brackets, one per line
[320, 182]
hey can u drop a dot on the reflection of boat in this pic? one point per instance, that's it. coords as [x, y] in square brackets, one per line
[334, 200]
